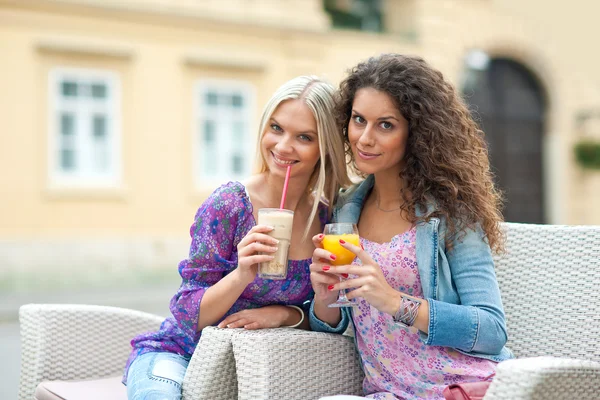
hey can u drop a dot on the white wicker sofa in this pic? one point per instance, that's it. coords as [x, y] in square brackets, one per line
[550, 282]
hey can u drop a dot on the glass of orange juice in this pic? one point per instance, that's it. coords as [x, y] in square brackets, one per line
[331, 242]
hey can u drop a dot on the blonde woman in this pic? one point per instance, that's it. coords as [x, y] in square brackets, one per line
[219, 279]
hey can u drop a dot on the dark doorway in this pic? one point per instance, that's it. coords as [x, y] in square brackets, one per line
[509, 103]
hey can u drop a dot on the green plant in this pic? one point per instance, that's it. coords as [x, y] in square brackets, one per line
[587, 154]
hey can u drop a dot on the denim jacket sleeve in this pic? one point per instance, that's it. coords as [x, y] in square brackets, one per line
[319, 326]
[474, 322]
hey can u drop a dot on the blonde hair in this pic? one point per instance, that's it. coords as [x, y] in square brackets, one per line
[330, 175]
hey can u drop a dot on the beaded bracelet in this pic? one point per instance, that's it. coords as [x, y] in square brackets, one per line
[407, 313]
[301, 318]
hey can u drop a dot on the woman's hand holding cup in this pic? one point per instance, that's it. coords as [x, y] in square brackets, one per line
[367, 282]
[322, 276]
[249, 248]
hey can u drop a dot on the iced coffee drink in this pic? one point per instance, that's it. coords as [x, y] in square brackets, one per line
[281, 220]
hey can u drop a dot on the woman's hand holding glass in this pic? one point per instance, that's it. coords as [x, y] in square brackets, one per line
[321, 280]
[333, 235]
[250, 250]
[367, 280]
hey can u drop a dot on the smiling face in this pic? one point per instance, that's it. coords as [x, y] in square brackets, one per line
[290, 138]
[377, 132]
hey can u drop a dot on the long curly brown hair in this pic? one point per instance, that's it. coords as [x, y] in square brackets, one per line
[446, 159]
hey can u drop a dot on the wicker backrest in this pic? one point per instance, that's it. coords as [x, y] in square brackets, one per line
[71, 354]
[550, 284]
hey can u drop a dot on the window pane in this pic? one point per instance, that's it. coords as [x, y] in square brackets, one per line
[363, 15]
[237, 101]
[98, 90]
[211, 98]
[238, 133]
[237, 164]
[69, 89]
[99, 127]
[209, 132]
[208, 148]
[67, 160]
[85, 141]
[209, 156]
[223, 122]
[100, 144]
[100, 154]
[67, 124]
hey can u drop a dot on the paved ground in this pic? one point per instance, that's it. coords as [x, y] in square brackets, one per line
[10, 360]
[154, 299]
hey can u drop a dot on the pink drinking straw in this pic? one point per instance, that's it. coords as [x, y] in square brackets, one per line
[285, 185]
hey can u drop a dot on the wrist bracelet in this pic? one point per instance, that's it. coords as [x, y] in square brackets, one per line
[301, 317]
[407, 313]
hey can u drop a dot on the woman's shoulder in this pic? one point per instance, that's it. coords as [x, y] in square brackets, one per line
[232, 189]
[358, 191]
[231, 195]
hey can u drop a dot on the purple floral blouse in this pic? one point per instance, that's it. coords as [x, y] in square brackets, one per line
[220, 223]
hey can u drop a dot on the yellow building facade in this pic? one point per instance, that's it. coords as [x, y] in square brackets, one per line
[119, 117]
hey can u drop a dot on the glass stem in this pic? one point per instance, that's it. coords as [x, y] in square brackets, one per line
[342, 295]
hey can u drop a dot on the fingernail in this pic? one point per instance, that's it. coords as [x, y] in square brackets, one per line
[275, 241]
[332, 257]
[362, 247]
[342, 241]
[326, 268]
[345, 275]
[320, 236]
[330, 287]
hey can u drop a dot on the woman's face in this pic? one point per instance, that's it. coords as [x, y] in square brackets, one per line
[290, 138]
[377, 132]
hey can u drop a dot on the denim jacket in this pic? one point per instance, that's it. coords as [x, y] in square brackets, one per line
[465, 309]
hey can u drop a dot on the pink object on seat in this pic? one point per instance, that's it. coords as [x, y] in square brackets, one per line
[98, 389]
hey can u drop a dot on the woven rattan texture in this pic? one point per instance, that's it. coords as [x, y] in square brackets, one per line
[546, 378]
[549, 280]
[294, 364]
[211, 373]
[64, 341]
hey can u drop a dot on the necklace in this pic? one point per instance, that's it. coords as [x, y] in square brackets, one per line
[383, 209]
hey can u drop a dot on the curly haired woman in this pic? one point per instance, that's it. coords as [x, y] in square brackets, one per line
[428, 309]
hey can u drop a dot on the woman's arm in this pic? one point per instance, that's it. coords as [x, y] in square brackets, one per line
[220, 297]
[477, 324]
[220, 223]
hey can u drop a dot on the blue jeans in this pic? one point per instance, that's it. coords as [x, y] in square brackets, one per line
[156, 376]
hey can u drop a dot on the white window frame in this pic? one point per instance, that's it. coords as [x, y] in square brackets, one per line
[84, 109]
[224, 137]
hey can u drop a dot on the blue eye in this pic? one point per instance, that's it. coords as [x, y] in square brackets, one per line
[276, 128]
[305, 138]
[358, 119]
[386, 125]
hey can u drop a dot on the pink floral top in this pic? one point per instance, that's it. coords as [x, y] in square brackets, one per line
[396, 363]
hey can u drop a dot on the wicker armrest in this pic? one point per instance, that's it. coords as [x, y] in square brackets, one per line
[72, 342]
[211, 373]
[545, 378]
[295, 364]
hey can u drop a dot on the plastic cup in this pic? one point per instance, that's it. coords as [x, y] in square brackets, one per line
[281, 220]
